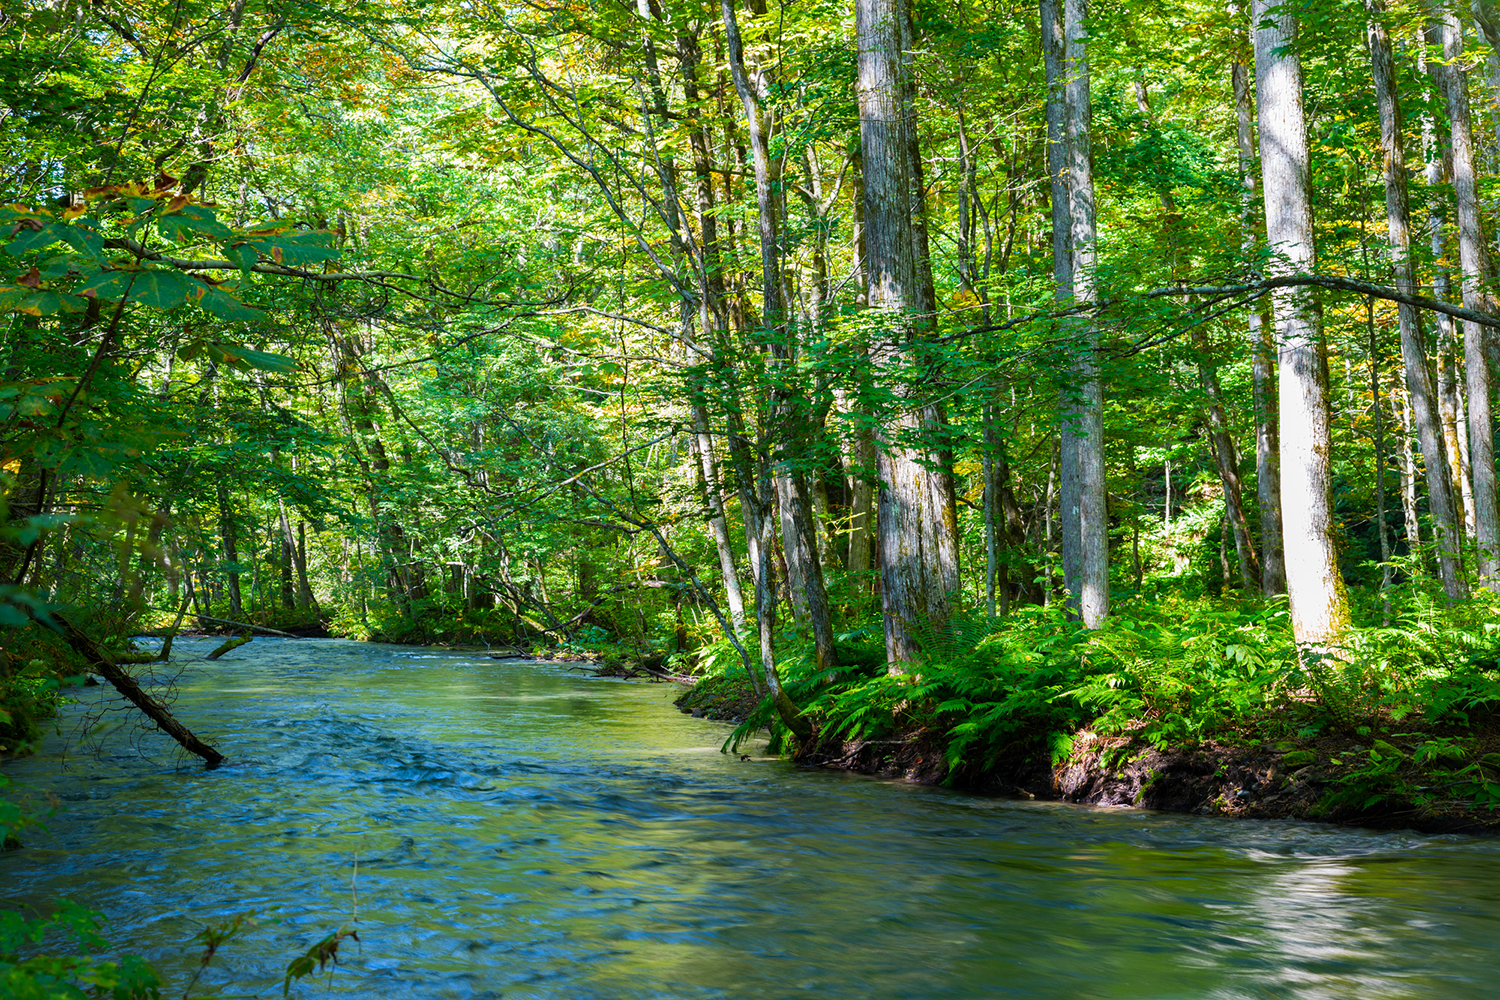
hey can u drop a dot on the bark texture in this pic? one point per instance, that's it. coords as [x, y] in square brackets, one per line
[916, 519]
[1471, 255]
[1267, 448]
[1315, 587]
[1419, 385]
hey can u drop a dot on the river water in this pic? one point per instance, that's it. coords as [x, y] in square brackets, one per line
[515, 829]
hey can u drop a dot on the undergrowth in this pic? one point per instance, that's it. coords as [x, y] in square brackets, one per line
[1169, 674]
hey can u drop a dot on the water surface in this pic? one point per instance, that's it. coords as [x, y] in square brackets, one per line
[516, 829]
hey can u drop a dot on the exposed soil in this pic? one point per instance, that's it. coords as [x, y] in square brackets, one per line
[1371, 779]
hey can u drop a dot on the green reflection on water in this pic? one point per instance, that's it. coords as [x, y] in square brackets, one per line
[515, 829]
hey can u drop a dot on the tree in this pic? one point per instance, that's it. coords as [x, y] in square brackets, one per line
[1414, 360]
[1315, 585]
[916, 520]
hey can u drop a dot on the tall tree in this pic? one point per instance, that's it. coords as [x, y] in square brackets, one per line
[916, 513]
[1267, 451]
[1413, 348]
[1081, 410]
[1471, 255]
[1315, 586]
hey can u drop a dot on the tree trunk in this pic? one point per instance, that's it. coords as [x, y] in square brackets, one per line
[861, 473]
[1471, 253]
[916, 518]
[1402, 412]
[1315, 587]
[713, 498]
[1267, 449]
[784, 410]
[1379, 442]
[1083, 412]
[1449, 399]
[231, 551]
[1226, 457]
[1419, 387]
[127, 686]
[1054, 50]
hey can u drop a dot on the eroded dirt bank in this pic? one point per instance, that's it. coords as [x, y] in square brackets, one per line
[1378, 779]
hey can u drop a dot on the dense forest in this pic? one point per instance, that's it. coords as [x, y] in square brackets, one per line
[1013, 373]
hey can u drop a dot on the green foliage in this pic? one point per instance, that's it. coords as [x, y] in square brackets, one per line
[28, 695]
[1167, 674]
[71, 972]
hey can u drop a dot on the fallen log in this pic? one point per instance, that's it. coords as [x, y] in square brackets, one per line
[257, 628]
[234, 643]
[126, 685]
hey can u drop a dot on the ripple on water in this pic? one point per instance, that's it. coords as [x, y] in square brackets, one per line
[505, 828]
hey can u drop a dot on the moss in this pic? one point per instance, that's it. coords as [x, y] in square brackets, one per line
[723, 697]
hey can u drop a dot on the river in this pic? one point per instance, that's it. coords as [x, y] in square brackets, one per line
[516, 829]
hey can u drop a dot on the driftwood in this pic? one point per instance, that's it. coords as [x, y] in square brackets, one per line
[234, 643]
[257, 628]
[126, 685]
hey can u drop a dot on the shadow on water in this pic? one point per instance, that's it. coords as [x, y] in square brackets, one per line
[504, 828]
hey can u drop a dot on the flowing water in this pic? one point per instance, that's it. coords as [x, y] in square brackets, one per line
[516, 829]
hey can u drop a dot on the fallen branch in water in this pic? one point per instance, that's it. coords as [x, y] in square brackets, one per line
[234, 643]
[257, 628]
[126, 685]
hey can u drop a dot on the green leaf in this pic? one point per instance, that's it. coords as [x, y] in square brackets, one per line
[226, 306]
[109, 285]
[244, 255]
[192, 221]
[166, 289]
[298, 249]
[48, 303]
[34, 239]
[85, 240]
[263, 360]
[12, 296]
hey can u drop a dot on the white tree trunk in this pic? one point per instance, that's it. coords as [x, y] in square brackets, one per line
[1267, 467]
[1315, 587]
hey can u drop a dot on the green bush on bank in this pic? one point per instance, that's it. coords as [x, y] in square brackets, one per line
[1169, 674]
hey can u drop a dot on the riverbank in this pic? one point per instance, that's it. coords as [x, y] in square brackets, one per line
[1405, 776]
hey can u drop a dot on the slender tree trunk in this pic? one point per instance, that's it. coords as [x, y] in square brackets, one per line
[1054, 55]
[713, 499]
[1315, 586]
[1471, 253]
[1263, 393]
[860, 472]
[304, 591]
[1419, 387]
[783, 411]
[1450, 402]
[1226, 457]
[991, 567]
[1403, 414]
[127, 686]
[1093, 564]
[1166, 501]
[231, 551]
[1379, 442]
[288, 548]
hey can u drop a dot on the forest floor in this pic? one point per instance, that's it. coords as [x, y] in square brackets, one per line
[1408, 776]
